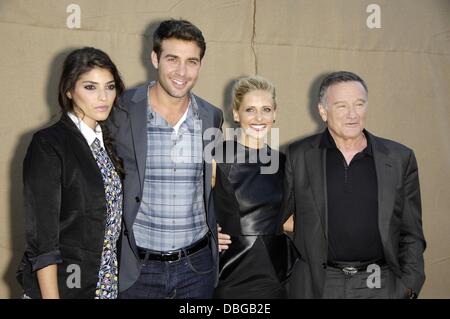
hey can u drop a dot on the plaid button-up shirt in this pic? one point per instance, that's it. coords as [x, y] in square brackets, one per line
[172, 211]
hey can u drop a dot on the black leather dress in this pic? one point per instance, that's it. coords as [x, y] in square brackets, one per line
[248, 208]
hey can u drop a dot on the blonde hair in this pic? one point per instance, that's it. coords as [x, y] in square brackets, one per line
[249, 84]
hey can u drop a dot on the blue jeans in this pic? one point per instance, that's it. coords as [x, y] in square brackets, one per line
[191, 277]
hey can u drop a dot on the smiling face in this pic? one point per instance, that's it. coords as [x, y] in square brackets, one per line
[345, 110]
[93, 96]
[256, 115]
[178, 66]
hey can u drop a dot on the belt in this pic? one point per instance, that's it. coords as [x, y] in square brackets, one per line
[174, 255]
[351, 268]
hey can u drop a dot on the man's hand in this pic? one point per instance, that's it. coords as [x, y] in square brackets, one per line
[224, 239]
[411, 293]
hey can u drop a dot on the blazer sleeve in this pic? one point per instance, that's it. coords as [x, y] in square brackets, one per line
[42, 197]
[219, 119]
[288, 205]
[412, 241]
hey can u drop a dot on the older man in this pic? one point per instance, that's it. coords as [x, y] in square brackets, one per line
[356, 204]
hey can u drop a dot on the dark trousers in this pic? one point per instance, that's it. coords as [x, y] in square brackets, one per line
[191, 277]
[339, 285]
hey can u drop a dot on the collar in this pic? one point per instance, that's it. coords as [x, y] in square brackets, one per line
[327, 141]
[176, 127]
[89, 134]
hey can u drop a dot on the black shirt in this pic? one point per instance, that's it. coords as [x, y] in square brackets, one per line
[352, 192]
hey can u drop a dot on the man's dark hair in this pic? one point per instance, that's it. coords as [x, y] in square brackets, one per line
[338, 77]
[178, 29]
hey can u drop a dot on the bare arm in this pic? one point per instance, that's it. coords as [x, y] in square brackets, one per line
[48, 282]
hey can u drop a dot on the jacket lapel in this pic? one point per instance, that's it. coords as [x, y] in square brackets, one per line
[386, 185]
[315, 165]
[316, 168]
[206, 122]
[83, 153]
[138, 125]
[81, 148]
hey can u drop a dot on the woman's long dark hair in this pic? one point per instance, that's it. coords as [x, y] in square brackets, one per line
[76, 64]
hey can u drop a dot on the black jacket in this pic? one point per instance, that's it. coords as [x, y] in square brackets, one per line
[399, 211]
[65, 211]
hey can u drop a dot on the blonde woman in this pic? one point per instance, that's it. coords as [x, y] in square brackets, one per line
[248, 192]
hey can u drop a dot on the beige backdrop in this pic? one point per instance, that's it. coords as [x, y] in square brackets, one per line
[406, 63]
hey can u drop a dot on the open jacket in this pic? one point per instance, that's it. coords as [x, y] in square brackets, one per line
[129, 130]
[399, 211]
[65, 211]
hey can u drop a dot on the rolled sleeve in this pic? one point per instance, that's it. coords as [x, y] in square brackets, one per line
[46, 259]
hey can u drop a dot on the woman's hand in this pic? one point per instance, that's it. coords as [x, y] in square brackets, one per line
[224, 239]
[289, 225]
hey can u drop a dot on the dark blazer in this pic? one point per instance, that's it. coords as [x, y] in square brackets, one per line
[65, 211]
[129, 130]
[399, 211]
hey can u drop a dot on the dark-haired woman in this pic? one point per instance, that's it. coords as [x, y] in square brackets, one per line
[73, 189]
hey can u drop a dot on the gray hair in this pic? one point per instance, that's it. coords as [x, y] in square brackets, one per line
[338, 77]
